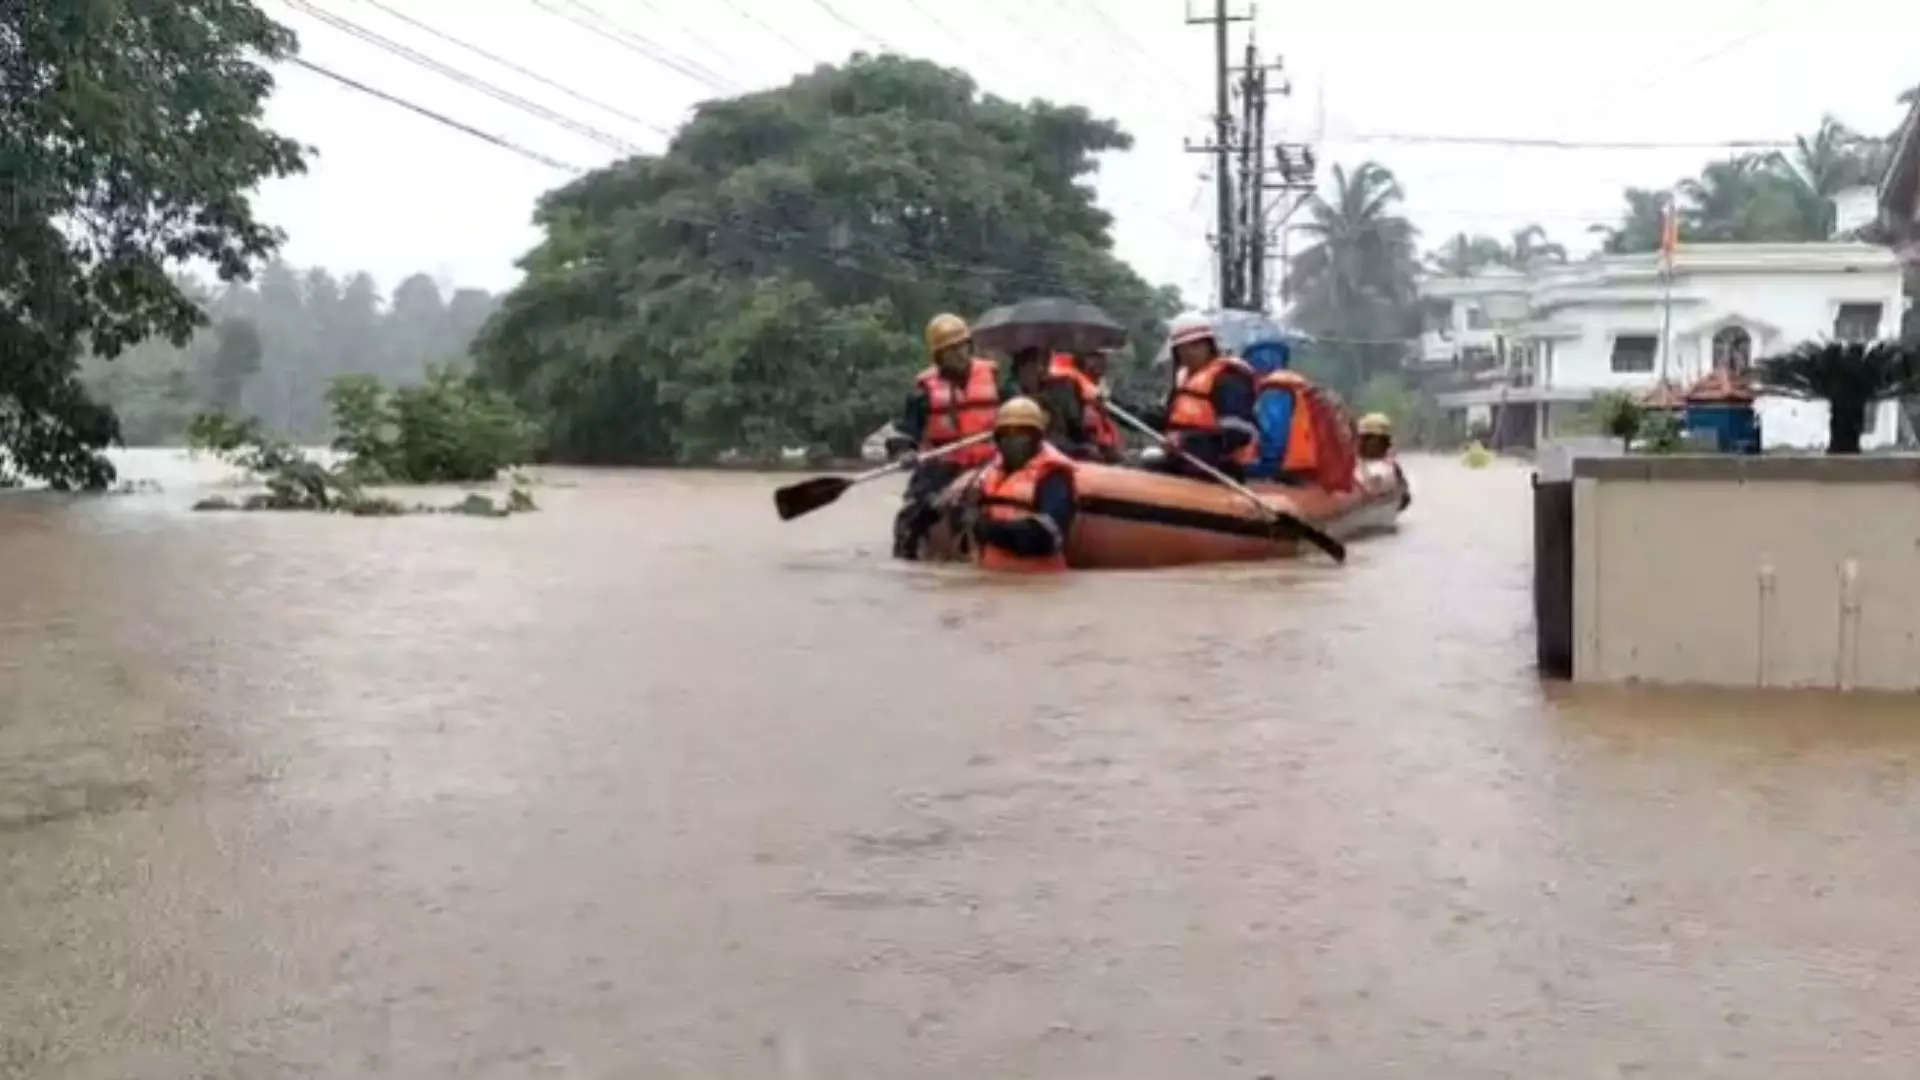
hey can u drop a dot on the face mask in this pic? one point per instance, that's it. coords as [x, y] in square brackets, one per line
[1017, 448]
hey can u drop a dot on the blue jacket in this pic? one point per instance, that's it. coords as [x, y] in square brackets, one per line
[1273, 416]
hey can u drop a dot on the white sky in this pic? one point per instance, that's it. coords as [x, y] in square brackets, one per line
[394, 193]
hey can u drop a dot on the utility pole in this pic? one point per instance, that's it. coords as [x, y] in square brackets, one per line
[1251, 151]
[1243, 230]
[1257, 213]
[1223, 139]
[1222, 150]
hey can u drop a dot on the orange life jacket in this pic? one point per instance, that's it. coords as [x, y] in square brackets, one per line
[955, 415]
[1100, 427]
[1192, 406]
[1320, 446]
[1009, 496]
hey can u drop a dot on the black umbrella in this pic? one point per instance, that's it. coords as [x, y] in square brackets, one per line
[1052, 324]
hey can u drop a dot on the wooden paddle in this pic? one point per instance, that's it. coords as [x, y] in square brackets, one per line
[810, 495]
[1285, 522]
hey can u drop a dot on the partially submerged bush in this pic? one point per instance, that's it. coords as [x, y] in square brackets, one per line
[297, 482]
[448, 429]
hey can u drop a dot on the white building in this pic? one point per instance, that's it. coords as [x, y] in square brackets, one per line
[1561, 334]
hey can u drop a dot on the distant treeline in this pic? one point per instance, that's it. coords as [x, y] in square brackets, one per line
[272, 348]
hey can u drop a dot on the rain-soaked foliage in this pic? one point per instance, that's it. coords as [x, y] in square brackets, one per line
[763, 284]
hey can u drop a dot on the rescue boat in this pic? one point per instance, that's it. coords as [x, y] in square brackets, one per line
[1129, 518]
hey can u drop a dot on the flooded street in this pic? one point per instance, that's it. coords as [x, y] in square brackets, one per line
[651, 784]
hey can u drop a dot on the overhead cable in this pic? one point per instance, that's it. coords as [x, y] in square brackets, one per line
[422, 60]
[659, 54]
[517, 68]
[505, 144]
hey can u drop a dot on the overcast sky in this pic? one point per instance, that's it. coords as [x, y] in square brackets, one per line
[394, 193]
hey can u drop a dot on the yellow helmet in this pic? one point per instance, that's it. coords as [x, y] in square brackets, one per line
[1021, 412]
[1376, 424]
[944, 330]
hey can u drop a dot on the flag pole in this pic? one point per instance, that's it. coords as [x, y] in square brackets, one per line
[1669, 240]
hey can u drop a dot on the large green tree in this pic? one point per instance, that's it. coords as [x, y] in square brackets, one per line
[764, 282]
[1354, 283]
[130, 136]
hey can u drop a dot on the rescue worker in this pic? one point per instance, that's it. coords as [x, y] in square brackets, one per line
[955, 397]
[1026, 495]
[1210, 411]
[1076, 405]
[1376, 447]
[1376, 436]
[1288, 449]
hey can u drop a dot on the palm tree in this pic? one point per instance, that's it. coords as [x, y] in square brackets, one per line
[1833, 158]
[1718, 199]
[1463, 255]
[1639, 228]
[1531, 247]
[1753, 198]
[1354, 283]
[1849, 376]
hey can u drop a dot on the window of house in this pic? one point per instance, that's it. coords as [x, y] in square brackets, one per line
[1733, 350]
[1633, 353]
[1477, 319]
[1857, 322]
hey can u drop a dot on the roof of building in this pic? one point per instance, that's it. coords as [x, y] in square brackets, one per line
[1719, 386]
[1898, 185]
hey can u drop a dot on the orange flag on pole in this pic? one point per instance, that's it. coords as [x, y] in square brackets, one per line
[1669, 233]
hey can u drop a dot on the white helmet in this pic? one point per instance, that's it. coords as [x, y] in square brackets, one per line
[1187, 327]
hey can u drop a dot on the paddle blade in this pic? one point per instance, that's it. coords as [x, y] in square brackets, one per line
[1289, 525]
[808, 495]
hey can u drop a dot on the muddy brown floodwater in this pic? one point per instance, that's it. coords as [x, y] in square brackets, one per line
[649, 784]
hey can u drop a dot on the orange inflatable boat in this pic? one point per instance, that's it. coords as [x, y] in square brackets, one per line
[1131, 518]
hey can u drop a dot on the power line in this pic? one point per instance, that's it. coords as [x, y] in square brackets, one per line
[771, 29]
[1131, 42]
[1563, 144]
[851, 25]
[511, 66]
[422, 60]
[441, 118]
[700, 40]
[692, 69]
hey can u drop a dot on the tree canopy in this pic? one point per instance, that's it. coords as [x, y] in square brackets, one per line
[763, 283]
[1462, 254]
[1757, 197]
[130, 136]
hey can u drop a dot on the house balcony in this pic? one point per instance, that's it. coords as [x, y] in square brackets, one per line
[1445, 348]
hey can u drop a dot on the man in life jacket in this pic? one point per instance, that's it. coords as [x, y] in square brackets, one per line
[1376, 436]
[1376, 450]
[1305, 437]
[955, 397]
[1026, 495]
[1210, 411]
[1076, 404]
